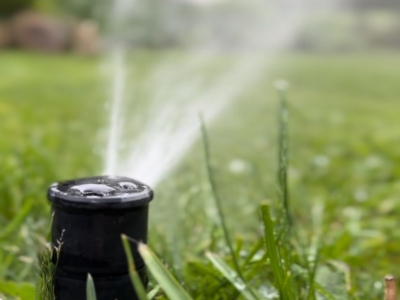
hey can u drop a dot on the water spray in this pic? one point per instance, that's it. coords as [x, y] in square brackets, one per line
[89, 216]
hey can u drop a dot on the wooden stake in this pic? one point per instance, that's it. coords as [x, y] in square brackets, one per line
[390, 288]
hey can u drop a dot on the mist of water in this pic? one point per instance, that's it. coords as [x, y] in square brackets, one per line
[118, 89]
[178, 91]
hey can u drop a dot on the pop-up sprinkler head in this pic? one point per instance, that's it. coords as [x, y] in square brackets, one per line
[89, 216]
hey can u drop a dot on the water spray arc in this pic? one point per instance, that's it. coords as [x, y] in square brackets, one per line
[178, 91]
[118, 92]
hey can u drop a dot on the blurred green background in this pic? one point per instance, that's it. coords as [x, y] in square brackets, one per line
[343, 70]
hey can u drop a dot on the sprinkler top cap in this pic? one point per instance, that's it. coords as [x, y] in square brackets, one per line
[100, 192]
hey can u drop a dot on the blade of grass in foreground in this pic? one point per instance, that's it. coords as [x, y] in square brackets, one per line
[281, 278]
[167, 282]
[90, 291]
[232, 277]
[218, 201]
[135, 278]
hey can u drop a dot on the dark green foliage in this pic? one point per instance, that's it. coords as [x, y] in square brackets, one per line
[8, 7]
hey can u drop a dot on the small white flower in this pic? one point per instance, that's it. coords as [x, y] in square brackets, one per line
[26, 259]
[11, 248]
[281, 85]
[360, 195]
[237, 166]
[373, 161]
[351, 212]
[378, 285]
[321, 161]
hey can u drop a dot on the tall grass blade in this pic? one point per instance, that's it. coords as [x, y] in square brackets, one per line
[90, 290]
[273, 252]
[165, 279]
[135, 278]
[217, 199]
[256, 248]
[282, 278]
[232, 277]
[283, 141]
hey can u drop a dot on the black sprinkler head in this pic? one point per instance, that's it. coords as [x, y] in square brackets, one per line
[89, 216]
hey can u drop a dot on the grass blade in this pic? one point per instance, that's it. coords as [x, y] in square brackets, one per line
[274, 255]
[90, 290]
[273, 252]
[283, 142]
[232, 277]
[218, 201]
[167, 282]
[257, 247]
[135, 278]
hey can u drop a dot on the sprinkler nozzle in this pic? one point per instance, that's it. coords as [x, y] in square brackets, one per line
[89, 216]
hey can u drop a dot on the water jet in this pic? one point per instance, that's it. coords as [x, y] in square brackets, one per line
[89, 216]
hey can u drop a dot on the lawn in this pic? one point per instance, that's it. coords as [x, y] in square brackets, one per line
[344, 176]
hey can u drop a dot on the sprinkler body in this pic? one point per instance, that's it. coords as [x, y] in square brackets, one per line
[89, 216]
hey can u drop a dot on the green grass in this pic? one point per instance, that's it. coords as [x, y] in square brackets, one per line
[343, 176]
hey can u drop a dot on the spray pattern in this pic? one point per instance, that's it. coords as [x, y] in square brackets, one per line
[178, 91]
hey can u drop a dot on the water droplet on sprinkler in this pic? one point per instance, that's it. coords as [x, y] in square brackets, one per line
[127, 185]
[92, 190]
